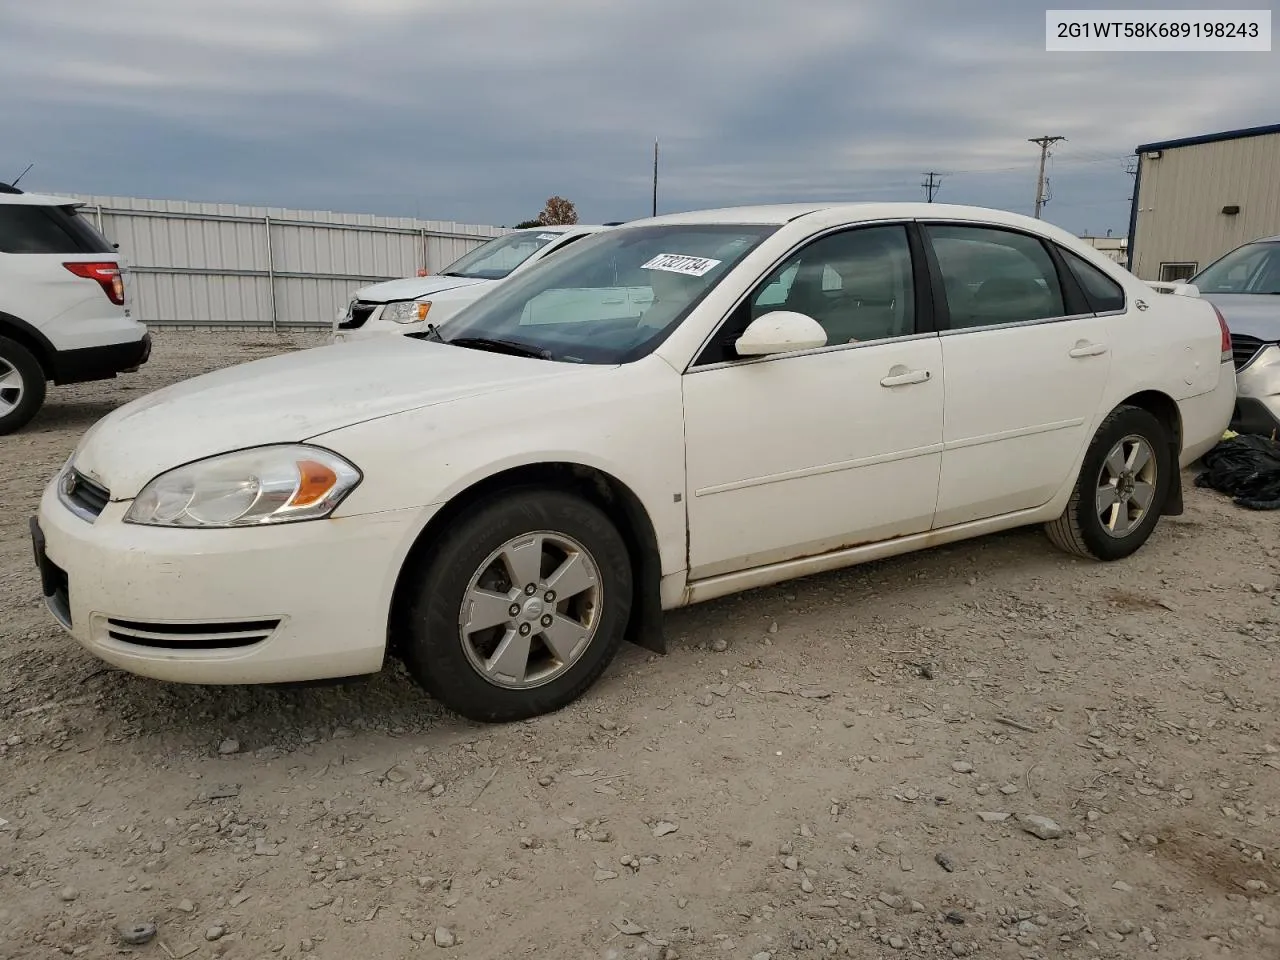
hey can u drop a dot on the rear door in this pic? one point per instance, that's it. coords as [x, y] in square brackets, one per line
[1025, 366]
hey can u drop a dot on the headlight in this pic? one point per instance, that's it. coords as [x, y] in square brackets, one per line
[406, 311]
[277, 484]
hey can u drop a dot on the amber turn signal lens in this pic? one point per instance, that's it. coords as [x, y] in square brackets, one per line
[315, 480]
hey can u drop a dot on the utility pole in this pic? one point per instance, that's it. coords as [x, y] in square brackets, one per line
[655, 178]
[1045, 143]
[930, 186]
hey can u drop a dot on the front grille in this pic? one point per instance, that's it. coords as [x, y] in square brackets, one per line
[357, 315]
[191, 635]
[1244, 349]
[83, 495]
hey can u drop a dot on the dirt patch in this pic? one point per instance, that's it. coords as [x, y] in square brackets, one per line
[1217, 864]
[825, 768]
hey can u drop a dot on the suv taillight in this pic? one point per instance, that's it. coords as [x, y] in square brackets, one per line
[1226, 334]
[106, 273]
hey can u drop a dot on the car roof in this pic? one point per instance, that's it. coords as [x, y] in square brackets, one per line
[38, 199]
[780, 213]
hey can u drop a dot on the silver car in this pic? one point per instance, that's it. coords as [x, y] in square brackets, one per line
[1245, 287]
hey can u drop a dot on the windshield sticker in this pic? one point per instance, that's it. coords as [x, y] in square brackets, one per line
[547, 236]
[678, 263]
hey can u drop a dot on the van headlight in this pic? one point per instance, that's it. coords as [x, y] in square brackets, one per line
[406, 311]
[285, 483]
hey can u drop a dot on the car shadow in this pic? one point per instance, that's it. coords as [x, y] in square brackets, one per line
[71, 415]
[285, 718]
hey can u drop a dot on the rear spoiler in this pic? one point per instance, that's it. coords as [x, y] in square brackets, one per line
[1178, 288]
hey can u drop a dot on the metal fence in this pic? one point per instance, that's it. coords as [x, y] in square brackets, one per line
[212, 264]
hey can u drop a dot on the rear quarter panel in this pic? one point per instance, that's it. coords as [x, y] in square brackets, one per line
[1174, 346]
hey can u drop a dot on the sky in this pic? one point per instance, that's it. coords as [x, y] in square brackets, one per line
[478, 110]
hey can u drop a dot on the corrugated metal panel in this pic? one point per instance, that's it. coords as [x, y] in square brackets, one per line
[219, 263]
[1181, 196]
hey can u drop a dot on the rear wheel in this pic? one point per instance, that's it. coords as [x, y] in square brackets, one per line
[520, 607]
[1121, 491]
[22, 386]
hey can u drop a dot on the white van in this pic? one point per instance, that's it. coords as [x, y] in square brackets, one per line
[408, 305]
[64, 304]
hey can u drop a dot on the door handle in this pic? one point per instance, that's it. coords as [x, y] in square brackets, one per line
[900, 376]
[1086, 349]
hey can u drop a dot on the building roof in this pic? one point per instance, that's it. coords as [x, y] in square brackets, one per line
[1240, 134]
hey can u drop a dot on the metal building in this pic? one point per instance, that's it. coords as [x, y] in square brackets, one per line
[1196, 198]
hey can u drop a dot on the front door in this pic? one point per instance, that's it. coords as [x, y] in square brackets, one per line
[1025, 372]
[800, 454]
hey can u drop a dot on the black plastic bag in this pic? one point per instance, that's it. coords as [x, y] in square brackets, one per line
[1245, 468]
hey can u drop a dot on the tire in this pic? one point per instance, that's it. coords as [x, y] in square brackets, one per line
[462, 663]
[22, 386]
[1081, 529]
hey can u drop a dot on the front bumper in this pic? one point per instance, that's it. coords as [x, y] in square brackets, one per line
[294, 602]
[1258, 393]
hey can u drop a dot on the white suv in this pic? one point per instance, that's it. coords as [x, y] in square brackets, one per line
[64, 312]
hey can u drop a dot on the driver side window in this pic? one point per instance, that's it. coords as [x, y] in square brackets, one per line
[857, 284]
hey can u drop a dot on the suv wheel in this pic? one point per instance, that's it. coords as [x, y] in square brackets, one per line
[22, 386]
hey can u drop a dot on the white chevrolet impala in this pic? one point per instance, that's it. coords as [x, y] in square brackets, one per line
[667, 412]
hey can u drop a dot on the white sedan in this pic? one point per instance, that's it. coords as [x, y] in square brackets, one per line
[671, 411]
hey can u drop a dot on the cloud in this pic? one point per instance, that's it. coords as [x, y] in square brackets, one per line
[477, 110]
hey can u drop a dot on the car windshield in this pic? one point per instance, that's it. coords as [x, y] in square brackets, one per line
[610, 298]
[1253, 268]
[497, 258]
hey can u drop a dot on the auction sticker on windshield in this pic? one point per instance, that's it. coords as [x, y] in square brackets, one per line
[546, 236]
[678, 263]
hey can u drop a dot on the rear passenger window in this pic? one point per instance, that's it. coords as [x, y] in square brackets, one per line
[995, 276]
[1103, 293]
[26, 228]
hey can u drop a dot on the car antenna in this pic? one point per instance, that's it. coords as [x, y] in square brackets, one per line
[22, 174]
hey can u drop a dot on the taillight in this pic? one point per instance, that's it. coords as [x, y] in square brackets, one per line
[1226, 334]
[106, 273]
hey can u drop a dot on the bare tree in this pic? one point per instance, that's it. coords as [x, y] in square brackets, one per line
[558, 211]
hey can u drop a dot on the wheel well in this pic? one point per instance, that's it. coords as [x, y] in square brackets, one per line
[1165, 409]
[600, 488]
[19, 332]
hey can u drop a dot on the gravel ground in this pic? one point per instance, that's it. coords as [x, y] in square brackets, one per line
[849, 765]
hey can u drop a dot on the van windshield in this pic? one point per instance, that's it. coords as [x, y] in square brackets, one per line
[497, 258]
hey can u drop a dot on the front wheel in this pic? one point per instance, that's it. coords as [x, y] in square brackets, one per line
[520, 607]
[1121, 491]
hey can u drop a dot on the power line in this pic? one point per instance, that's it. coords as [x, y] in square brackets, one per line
[930, 186]
[1045, 143]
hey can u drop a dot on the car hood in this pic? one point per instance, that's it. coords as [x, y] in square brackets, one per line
[1249, 314]
[411, 288]
[290, 398]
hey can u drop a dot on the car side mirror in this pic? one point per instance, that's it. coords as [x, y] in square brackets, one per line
[780, 331]
[1185, 290]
